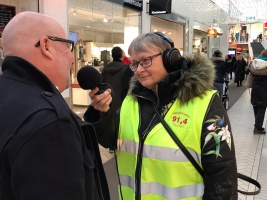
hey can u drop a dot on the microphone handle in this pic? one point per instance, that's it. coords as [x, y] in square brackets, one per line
[102, 87]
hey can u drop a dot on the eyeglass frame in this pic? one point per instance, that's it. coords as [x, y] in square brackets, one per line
[138, 63]
[53, 38]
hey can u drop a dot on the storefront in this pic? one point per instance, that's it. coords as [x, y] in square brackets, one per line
[175, 31]
[200, 39]
[96, 28]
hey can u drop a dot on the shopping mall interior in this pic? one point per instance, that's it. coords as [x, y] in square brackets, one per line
[195, 26]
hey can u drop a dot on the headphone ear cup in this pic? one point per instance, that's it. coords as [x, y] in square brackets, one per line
[171, 59]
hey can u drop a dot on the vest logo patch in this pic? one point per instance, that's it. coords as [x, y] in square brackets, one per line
[180, 119]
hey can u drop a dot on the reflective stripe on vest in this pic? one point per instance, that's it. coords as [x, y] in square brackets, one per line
[164, 167]
[164, 153]
[161, 190]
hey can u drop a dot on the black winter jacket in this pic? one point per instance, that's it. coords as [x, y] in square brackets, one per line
[47, 152]
[259, 84]
[220, 68]
[239, 69]
[197, 76]
[114, 74]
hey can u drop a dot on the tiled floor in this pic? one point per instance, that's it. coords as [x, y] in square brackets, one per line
[251, 149]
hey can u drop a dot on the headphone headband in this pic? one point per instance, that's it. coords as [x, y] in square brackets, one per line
[166, 38]
[171, 56]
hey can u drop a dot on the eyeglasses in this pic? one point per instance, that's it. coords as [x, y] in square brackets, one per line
[145, 62]
[69, 42]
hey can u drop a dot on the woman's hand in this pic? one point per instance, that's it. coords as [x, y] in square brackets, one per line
[101, 102]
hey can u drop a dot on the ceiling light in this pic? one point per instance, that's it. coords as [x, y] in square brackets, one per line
[214, 32]
[155, 30]
[105, 20]
[169, 33]
[163, 32]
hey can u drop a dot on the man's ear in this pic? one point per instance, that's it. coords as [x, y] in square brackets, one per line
[45, 46]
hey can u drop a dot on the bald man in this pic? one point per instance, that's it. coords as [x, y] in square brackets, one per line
[47, 152]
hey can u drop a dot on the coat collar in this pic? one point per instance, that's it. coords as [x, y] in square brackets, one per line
[196, 76]
[21, 70]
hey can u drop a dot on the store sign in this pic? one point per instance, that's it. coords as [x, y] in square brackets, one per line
[6, 14]
[134, 4]
[173, 18]
[137, 5]
[250, 19]
[158, 7]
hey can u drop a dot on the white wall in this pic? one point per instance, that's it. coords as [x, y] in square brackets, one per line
[49, 8]
[255, 30]
[206, 18]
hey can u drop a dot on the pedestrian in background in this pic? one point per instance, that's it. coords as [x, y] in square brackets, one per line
[229, 66]
[258, 68]
[125, 59]
[220, 71]
[117, 75]
[113, 73]
[239, 69]
[233, 60]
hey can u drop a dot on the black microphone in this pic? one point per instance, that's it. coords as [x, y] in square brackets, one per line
[89, 78]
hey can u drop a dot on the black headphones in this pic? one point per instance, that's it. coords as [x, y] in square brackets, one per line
[170, 56]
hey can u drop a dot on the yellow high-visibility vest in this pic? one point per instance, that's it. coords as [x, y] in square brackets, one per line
[166, 173]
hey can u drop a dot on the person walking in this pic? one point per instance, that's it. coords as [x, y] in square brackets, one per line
[125, 59]
[258, 68]
[220, 71]
[117, 75]
[168, 88]
[113, 73]
[47, 151]
[239, 69]
[231, 69]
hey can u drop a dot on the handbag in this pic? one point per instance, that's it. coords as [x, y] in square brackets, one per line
[249, 80]
[196, 165]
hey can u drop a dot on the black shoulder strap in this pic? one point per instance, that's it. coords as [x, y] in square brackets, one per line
[179, 144]
[197, 166]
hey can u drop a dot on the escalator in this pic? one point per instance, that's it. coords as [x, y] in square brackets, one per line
[257, 48]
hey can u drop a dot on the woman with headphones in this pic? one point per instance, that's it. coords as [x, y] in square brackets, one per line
[170, 98]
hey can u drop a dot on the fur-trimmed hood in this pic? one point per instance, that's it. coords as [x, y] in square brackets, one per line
[196, 76]
[258, 67]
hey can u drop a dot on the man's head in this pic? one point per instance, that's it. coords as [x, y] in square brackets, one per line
[217, 53]
[116, 53]
[264, 53]
[41, 41]
[239, 56]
